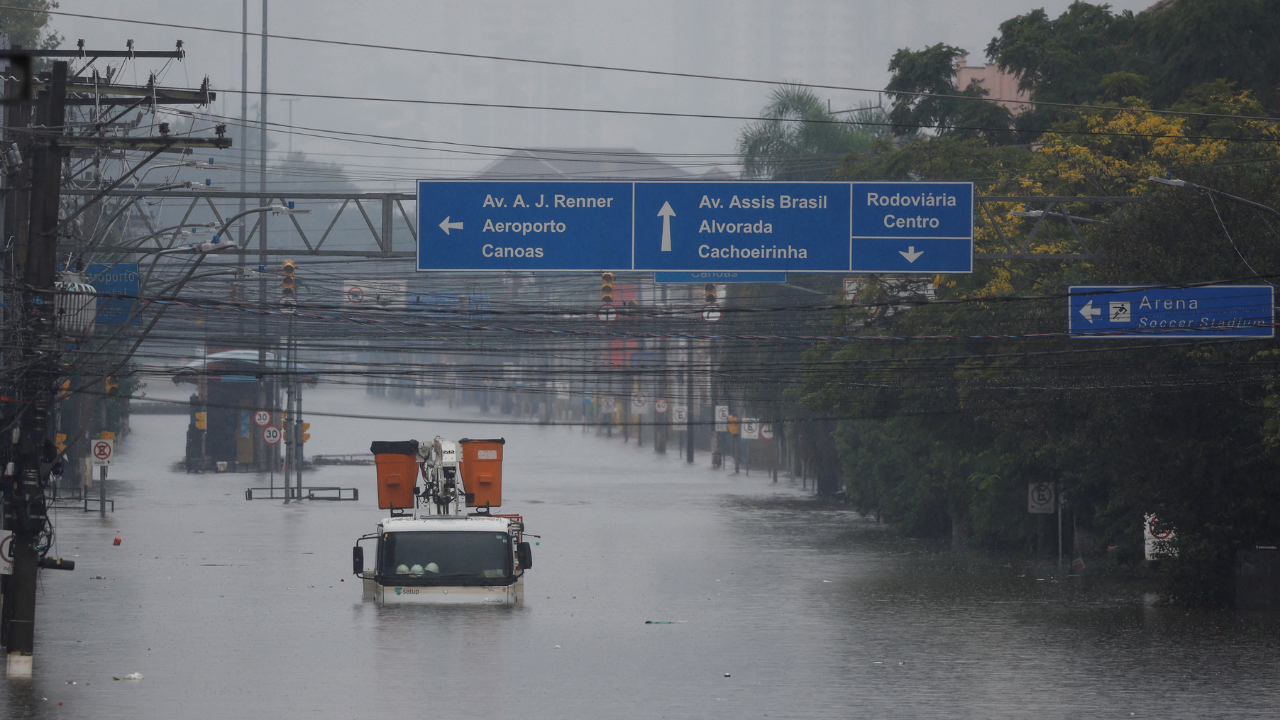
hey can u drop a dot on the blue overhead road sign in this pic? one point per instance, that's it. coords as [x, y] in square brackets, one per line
[486, 225]
[533, 226]
[114, 279]
[934, 221]
[743, 226]
[1214, 311]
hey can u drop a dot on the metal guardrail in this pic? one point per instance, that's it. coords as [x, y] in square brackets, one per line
[307, 493]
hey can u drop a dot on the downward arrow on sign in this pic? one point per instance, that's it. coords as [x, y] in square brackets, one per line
[910, 254]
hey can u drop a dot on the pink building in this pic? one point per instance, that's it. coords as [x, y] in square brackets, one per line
[999, 86]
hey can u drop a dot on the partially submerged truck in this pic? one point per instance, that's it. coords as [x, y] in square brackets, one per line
[430, 550]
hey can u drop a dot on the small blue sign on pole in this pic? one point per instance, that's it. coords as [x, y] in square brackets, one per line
[1212, 311]
[719, 277]
[692, 226]
[114, 279]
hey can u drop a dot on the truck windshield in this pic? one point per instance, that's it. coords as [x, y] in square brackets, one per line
[446, 558]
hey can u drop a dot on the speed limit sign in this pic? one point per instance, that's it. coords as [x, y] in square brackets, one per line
[660, 406]
[262, 418]
[271, 434]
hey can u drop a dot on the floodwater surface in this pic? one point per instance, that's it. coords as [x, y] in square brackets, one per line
[763, 604]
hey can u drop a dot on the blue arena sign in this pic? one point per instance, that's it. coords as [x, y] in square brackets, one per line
[1211, 311]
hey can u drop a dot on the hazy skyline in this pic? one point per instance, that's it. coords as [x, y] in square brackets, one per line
[822, 42]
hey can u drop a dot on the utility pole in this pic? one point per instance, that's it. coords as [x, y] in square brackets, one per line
[244, 151]
[32, 313]
[24, 476]
[268, 453]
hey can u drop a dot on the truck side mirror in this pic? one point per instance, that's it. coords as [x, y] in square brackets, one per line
[357, 560]
[524, 554]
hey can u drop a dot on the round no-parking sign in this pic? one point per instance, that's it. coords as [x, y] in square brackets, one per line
[102, 450]
[271, 435]
[6, 555]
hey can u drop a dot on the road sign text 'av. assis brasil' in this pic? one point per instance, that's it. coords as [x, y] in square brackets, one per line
[690, 226]
[1211, 311]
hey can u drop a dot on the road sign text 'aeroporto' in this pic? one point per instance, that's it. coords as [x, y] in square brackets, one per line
[689, 226]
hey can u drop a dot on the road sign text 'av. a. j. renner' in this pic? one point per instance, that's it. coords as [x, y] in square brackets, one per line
[1211, 311]
[695, 227]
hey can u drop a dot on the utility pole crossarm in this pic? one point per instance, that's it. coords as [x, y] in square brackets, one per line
[144, 143]
[77, 54]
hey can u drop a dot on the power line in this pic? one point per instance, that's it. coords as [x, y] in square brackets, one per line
[754, 118]
[613, 68]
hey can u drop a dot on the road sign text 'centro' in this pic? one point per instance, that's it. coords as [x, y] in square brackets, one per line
[691, 226]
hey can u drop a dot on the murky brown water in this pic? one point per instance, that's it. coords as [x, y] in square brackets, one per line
[246, 609]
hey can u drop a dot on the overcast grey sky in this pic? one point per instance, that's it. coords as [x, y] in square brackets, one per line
[814, 41]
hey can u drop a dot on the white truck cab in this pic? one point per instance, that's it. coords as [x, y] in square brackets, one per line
[446, 559]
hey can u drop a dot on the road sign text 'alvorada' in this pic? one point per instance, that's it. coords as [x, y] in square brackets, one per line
[687, 226]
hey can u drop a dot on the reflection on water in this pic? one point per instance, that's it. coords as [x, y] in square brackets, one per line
[234, 608]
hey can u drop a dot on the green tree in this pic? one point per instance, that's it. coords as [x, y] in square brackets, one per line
[1063, 60]
[1196, 42]
[800, 139]
[924, 94]
[27, 22]
[1166, 50]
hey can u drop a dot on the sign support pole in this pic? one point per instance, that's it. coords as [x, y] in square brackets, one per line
[1059, 531]
[688, 389]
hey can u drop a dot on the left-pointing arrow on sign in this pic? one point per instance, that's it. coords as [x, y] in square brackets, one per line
[445, 225]
[1090, 312]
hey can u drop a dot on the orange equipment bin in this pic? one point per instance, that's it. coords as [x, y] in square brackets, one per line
[482, 472]
[397, 472]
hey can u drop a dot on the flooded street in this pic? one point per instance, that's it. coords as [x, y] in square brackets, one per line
[777, 606]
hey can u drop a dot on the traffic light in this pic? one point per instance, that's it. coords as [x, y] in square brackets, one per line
[306, 435]
[64, 390]
[709, 292]
[606, 288]
[236, 291]
[112, 385]
[289, 284]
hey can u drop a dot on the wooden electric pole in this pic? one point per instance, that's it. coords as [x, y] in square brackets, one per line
[25, 501]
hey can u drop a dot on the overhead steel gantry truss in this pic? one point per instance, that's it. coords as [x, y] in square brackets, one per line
[1067, 212]
[203, 206]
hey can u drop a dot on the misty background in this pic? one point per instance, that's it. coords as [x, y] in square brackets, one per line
[811, 41]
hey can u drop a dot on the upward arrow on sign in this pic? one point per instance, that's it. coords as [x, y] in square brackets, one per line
[666, 213]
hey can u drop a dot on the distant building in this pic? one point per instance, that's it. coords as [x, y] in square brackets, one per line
[596, 164]
[1000, 86]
